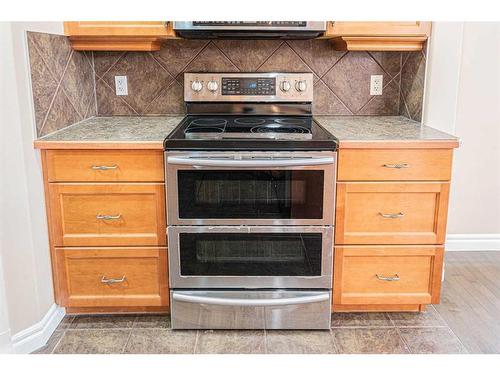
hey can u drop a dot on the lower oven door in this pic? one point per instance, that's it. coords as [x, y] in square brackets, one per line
[250, 257]
[254, 309]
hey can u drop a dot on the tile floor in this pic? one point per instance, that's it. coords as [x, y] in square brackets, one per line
[391, 333]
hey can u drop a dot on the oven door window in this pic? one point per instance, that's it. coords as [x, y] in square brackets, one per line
[250, 254]
[251, 194]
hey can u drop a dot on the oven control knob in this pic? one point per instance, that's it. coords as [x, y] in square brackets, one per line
[300, 86]
[212, 86]
[196, 86]
[285, 86]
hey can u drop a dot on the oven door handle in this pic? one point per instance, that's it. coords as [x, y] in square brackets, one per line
[181, 297]
[250, 163]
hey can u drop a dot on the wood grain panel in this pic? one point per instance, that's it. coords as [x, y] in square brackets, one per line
[129, 166]
[419, 269]
[140, 207]
[360, 205]
[143, 270]
[380, 165]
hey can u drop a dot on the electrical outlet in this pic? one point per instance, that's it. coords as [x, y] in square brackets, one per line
[376, 84]
[121, 87]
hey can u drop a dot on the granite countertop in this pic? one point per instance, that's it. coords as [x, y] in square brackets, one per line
[149, 132]
[359, 129]
[123, 131]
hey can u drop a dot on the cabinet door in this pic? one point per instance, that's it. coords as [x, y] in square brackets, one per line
[396, 28]
[118, 35]
[390, 275]
[108, 214]
[116, 28]
[391, 213]
[112, 277]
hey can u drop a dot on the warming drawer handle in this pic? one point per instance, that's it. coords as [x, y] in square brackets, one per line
[251, 301]
[388, 278]
[104, 280]
[104, 167]
[397, 166]
[232, 163]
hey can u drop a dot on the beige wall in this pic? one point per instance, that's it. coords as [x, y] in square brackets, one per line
[23, 230]
[463, 97]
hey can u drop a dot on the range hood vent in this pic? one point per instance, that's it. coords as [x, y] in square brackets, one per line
[250, 29]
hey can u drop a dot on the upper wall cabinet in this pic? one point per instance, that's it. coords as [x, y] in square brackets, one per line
[118, 35]
[378, 36]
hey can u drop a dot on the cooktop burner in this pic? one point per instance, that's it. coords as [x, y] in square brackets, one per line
[271, 128]
[234, 132]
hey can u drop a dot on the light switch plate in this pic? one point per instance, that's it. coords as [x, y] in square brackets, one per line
[121, 86]
[376, 84]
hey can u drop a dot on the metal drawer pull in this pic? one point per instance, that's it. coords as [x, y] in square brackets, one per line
[397, 166]
[113, 281]
[388, 278]
[104, 167]
[392, 216]
[108, 217]
[250, 301]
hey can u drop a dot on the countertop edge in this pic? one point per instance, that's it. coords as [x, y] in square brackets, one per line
[98, 145]
[400, 143]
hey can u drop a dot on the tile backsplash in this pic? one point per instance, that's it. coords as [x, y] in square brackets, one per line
[155, 79]
[62, 81]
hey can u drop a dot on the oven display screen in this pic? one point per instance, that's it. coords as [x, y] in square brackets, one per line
[248, 86]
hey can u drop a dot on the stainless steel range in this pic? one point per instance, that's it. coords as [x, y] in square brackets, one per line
[250, 202]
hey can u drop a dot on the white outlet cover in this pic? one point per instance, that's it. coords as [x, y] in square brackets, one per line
[376, 84]
[121, 86]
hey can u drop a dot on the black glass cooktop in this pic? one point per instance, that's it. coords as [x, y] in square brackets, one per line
[233, 132]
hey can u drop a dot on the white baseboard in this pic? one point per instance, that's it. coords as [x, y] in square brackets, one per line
[473, 242]
[36, 336]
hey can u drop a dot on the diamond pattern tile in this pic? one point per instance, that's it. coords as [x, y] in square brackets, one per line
[284, 59]
[326, 102]
[145, 78]
[349, 79]
[385, 104]
[318, 54]
[248, 55]
[176, 54]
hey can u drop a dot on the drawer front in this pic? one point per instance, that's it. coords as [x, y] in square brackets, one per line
[108, 214]
[99, 277]
[105, 166]
[391, 213]
[387, 274]
[395, 165]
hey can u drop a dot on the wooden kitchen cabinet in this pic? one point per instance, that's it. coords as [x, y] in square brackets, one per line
[118, 35]
[112, 277]
[378, 36]
[390, 226]
[391, 213]
[107, 229]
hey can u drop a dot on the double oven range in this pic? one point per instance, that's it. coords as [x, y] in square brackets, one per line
[250, 205]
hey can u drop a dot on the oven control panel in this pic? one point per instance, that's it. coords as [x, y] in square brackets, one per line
[248, 87]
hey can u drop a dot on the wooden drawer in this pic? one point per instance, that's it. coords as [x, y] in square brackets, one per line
[391, 213]
[105, 166]
[135, 214]
[416, 273]
[395, 165]
[98, 277]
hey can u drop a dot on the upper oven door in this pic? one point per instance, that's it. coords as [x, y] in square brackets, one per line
[252, 188]
[250, 256]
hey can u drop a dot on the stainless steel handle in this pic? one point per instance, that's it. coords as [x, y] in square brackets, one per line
[388, 278]
[392, 216]
[108, 217]
[104, 167]
[246, 163]
[113, 281]
[250, 301]
[397, 166]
